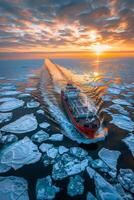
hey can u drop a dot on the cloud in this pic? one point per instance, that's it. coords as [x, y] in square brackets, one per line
[45, 24]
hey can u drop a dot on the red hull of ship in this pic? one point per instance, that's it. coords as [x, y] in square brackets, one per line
[88, 132]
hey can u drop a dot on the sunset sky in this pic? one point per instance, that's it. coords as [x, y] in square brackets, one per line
[66, 25]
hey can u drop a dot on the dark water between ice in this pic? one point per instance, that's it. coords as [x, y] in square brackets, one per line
[107, 82]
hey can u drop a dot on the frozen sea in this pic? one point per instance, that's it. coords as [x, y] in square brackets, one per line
[41, 150]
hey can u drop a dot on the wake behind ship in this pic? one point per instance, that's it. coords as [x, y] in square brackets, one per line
[82, 116]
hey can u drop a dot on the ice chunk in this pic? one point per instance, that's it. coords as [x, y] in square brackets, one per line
[78, 152]
[114, 90]
[40, 136]
[41, 112]
[121, 102]
[20, 153]
[75, 186]
[101, 166]
[68, 165]
[44, 125]
[52, 152]
[123, 194]
[24, 124]
[56, 137]
[104, 190]
[9, 93]
[119, 108]
[13, 187]
[110, 157]
[106, 98]
[45, 146]
[30, 89]
[45, 189]
[129, 141]
[63, 149]
[91, 172]
[90, 196]
[122, 122]
[5, 99]
[24, 95]
[5, 117]
[11, 105]
[33, 104]
[126, 179]
[4, 139]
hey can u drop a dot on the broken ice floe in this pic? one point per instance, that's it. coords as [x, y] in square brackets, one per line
[4, 139]
[41, 112]
[63, 149]
[104, 190]
[90, 196]
[110, 157]
[91, 172]
[101, 166]
[44, 125]
[30, 89]
[40, 136]
[13, 187]
[129, 141]
[5, 99]
[18, 154]
[24, 95]
[5, 117]
[119, 108]
[122, 122]
[11, 105]
[45, 189]
[24, 124]
[125, 195]
[45, 146]
[52, 152]
[121, 102]
[114, 91]
[68, 165]
[78, 152]
[126, 179]
[9, 93]
[75, 186]
[106, 98]
[33, 104]
[56, 137]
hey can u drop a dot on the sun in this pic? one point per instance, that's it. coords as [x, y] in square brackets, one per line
[99, 48]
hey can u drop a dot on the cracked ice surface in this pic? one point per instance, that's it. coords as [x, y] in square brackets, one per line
[45, 189]
[13, 187]
[11, 105]
[75, 186]
[104, 190]
[24, 124]
[126, 179]
[129, 141]
[18, 154]
[122, 122]
[5, 117]
[40, 136]
[110, 157]
[121, 102]
[68, 165]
